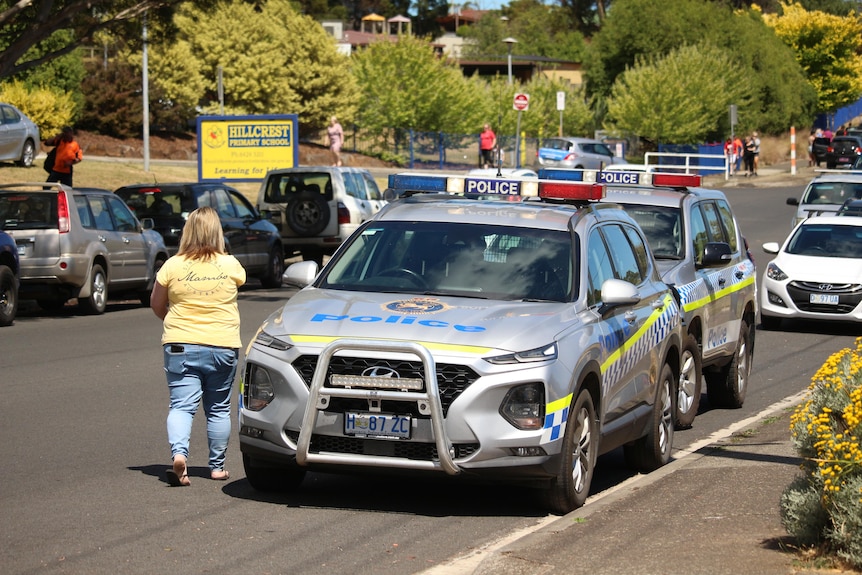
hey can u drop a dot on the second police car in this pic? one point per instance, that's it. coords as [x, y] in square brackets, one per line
[699, 250]
[512, 340]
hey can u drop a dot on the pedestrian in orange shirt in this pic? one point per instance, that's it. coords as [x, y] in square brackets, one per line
[68, 153]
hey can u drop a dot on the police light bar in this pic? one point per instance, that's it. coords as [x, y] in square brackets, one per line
[463, 185]
[614, 177]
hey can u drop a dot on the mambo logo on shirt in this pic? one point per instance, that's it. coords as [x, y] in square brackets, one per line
[193, 277]
[502, 187]
[396, 319]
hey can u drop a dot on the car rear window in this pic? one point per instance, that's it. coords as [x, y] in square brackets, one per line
[28, 211]
[282, 187]
[154, 202]
[831, 192]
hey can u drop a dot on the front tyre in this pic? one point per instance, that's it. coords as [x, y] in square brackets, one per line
[727, 386]
[97, 301]
[274, 270]
[690, 384]
[570, 487]
[271, 478]
[8, 296]
[654, 449]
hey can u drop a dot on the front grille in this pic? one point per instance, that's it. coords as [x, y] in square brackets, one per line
[849, 296]
[386, 448]
[452, 379]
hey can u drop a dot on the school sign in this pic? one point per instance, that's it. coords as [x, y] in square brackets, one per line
[245, 148]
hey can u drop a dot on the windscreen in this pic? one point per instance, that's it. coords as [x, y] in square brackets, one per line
[827, 241]
[467, 260]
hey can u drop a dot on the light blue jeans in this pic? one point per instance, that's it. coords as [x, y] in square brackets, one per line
[195, 373]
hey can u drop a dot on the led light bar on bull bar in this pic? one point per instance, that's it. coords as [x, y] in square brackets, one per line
[614, 177]
[473, 186]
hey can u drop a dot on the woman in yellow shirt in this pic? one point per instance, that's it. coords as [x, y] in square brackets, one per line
[195, 295]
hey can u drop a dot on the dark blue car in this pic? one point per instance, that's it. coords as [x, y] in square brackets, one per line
[8, 279]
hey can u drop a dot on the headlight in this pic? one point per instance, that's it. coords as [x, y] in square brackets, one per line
[544, 353]
[258, 390]
[774, 272]
[524, 406]
[267, 340]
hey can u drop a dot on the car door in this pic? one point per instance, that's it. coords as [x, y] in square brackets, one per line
[599, 155]
[108, 236]
[610, 255]
[233, 226]
[7, 133]
[257, 233]
[719, 337]
[134, 255]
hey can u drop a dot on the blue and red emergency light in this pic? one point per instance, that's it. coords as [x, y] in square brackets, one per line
[503, 188]
[614, 177]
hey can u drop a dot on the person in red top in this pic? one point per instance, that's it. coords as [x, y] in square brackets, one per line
[68, 154]
[487, 143]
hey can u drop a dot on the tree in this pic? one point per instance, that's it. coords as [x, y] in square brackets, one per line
[273, 60]
[829, 50]
[670, 99]
[405, 85]
[541, 30]
[28, 23]
[644, 28]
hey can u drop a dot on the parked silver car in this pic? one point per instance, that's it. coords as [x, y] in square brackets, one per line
[577, 153]
[19, 136]
[81, 243]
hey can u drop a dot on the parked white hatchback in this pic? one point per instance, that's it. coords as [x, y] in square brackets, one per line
[816, 274]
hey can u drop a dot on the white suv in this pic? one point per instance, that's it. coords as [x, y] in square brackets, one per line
[317, 207]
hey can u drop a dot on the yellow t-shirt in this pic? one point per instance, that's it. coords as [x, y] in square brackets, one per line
[202, 306]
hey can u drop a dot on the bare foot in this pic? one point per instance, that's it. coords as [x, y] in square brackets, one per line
[219, 474]
[178, 475]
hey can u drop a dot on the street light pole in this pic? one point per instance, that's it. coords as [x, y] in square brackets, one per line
[509, 42]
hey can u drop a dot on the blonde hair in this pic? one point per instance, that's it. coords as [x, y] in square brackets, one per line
[202, 235]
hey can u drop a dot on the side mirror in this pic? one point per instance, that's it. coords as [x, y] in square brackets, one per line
[148, 224]
[792, 202]
[616, 293]
[771, 247]
[300, 274]
[716, 254]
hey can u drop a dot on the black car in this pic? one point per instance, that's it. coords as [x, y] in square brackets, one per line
[9, 269]
[820, 147]
[253, 240]
[843, 151]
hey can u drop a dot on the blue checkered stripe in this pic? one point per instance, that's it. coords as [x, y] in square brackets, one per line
[555, 424]
[656, 330]
[692, 291]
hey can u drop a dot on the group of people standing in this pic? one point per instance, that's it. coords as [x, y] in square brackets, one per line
[743, 153]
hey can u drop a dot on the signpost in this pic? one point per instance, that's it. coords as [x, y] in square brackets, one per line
[521, 103]
[561, 105]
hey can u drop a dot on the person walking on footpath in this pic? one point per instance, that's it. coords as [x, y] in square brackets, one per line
[67, 153]
[195, 296]
[728, 155]
[739, 152]
[755, 138]
[748, 156]
[335, 133]
[487, 144]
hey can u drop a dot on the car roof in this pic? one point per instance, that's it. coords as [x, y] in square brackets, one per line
[658, 196]
[842, 220]
[528, 214]
[838, 176]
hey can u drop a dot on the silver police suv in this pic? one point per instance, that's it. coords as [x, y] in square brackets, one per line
[701, 252]
[509, 340]
[79, 243]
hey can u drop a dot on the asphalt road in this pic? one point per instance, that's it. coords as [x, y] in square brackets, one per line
[83, 448]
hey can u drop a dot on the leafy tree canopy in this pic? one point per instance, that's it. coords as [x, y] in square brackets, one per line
[829, 50]
[670, 99]
[644, 28]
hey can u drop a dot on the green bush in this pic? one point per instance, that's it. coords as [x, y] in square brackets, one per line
[49, 109]
[824, 506]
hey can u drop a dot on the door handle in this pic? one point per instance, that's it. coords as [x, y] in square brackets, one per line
[126, 240]
[721, 281]
[102, 238]
[631, 316]
[658, 304]
[738, 274]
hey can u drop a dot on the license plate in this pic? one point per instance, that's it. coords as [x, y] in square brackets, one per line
[824, 298]
[843, 160]
[377, 425]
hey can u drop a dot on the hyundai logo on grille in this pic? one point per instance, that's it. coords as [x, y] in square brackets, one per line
[825, 287]
[378, 371]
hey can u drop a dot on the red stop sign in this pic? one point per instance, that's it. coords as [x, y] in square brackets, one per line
[521, 102]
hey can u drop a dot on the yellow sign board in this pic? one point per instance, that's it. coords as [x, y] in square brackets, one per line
[245, 148]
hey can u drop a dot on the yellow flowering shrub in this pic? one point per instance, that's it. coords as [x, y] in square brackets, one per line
[825, 505]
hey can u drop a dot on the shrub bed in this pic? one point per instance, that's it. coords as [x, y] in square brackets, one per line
[823, 507]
